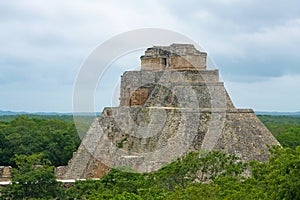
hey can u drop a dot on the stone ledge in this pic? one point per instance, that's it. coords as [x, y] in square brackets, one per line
[108, 111]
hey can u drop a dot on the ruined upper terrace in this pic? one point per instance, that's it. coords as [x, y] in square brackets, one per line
[170, 74]
[173, 57]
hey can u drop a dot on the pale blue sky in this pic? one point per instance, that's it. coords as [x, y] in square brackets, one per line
[254, 43]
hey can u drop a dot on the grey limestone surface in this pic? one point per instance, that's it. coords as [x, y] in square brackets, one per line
[165, 113]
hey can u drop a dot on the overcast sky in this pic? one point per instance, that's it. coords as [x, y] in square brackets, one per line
[254, 43]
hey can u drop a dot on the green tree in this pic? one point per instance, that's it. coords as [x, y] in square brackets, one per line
[276, 179]
[25, 136]
[290, 138]
[199, 167]
[33, 178]
[280, 177]
[127, 196]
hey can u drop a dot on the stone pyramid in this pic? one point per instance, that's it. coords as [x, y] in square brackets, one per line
[172, 106]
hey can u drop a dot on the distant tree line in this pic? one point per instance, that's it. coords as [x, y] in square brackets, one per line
[286, 129]
[56, 139]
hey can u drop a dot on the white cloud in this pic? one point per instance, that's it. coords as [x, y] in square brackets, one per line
[277, 39]
[43, 43]
[275, 94]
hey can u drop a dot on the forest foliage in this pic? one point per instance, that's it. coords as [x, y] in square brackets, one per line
[29, 142]
[286, 129]
[56, 139]
[198, 175]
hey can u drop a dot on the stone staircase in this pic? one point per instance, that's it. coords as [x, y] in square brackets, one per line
[78, 164]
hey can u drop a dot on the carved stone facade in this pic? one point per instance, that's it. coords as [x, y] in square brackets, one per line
[173, 57]
[5, 173]
[172, 106]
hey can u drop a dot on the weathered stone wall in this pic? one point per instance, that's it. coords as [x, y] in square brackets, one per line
[147, 88]
[136, 137]
[173, 57]
[153, 64]
[244, 135]
[184, 62]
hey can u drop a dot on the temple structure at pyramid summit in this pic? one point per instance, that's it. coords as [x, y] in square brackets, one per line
[172, 106]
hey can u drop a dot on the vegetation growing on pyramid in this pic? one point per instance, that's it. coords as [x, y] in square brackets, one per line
[279, 178]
